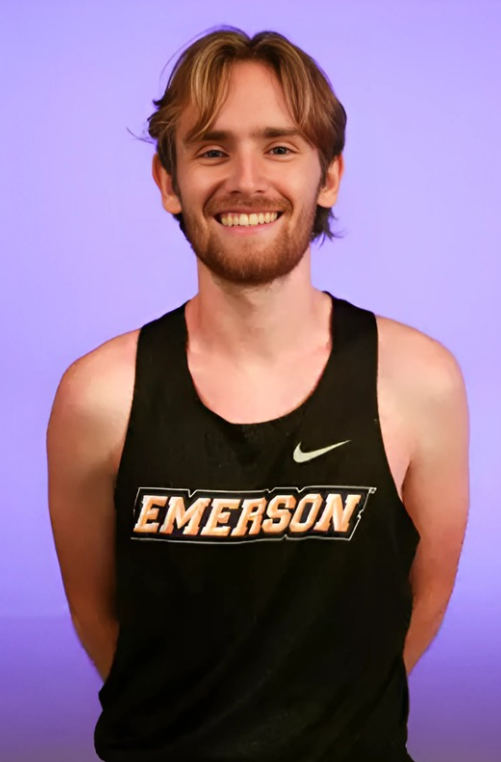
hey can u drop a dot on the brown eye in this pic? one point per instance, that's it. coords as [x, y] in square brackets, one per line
[284, 151]
[210, 154]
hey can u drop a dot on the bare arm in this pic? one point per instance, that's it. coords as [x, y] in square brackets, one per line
[84, 428]
[436, 493]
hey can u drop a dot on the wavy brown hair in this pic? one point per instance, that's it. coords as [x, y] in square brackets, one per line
[200, 77]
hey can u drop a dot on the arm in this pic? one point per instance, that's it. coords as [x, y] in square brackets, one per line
[81, 439]
[436, 493]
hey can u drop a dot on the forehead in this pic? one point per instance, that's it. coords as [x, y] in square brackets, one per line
[255, 100]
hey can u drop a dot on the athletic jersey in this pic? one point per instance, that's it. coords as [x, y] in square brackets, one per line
[263, 589]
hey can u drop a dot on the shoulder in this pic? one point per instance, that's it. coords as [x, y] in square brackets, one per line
[419, 362]
[97, 373]
[94, 395]
[424, 379]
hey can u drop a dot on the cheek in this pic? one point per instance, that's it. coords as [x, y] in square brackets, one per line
[300, 184]
[195, 190]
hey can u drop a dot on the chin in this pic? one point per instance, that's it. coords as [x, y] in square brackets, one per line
[248, 273]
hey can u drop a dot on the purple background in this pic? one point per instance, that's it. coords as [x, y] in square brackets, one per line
[87, 253]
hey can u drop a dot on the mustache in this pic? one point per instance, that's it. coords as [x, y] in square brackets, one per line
[235, 204]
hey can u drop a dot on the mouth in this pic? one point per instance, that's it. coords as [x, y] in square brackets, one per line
[245, 220]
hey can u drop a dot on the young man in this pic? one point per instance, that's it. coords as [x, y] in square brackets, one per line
[259, 499]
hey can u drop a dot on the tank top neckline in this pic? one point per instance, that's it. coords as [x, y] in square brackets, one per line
[288, 418]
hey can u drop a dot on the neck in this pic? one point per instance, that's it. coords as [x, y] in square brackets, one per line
[259, 325]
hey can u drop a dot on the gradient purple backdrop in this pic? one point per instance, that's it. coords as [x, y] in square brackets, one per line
[87, 253]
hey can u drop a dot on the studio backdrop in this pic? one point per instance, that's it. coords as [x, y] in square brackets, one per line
[87, 252]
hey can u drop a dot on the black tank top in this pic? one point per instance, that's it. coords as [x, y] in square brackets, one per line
[262, 570]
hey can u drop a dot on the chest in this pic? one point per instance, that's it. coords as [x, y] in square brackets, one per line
[240, 396]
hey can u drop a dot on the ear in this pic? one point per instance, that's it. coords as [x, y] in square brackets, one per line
[328, 193]
[170, 201]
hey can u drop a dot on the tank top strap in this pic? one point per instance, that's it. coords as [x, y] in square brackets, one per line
[350, 376]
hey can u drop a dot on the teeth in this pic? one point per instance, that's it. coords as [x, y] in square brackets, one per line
[248, 220]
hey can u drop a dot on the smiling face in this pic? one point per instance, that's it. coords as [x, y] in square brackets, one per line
[249, 188]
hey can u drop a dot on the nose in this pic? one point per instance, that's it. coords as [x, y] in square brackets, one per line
[246, 174]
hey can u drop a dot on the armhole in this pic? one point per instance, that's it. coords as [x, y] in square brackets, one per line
[164, 334]
[381, 445]
[129, 431]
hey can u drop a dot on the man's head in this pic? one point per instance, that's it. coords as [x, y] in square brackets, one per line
[248, 125]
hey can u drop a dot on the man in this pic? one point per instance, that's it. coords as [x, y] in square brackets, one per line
[259, 499]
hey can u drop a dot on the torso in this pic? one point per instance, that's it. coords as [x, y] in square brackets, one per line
[241, 404]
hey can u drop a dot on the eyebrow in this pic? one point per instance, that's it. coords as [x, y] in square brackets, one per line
[268, 133]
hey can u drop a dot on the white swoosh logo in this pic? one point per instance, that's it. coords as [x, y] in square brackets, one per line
[301, 457]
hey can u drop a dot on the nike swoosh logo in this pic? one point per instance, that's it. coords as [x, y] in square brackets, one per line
[302, 457]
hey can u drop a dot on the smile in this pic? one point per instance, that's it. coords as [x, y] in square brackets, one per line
[231, 219]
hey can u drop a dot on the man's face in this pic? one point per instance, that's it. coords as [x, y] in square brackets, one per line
[253, 162]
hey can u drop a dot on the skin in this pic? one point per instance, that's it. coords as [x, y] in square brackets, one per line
[248, 334]
[240, 170]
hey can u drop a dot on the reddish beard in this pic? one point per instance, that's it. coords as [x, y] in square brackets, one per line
[249, 261]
